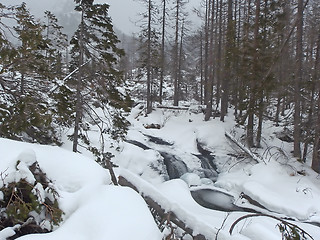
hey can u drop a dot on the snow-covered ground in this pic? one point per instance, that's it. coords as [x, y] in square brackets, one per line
[94, 209]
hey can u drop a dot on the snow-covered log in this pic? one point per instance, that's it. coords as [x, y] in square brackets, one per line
[173, 107]
[163, 213]
[254, 156]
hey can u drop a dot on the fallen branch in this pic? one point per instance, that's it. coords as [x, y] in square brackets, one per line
[110, 165]
[286, 223]
[254, 156]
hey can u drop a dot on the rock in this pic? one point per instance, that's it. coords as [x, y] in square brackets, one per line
[152, 126]
[191, 179]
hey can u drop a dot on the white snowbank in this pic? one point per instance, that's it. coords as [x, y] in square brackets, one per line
[93, 208]
[105, 212]
[274, 188]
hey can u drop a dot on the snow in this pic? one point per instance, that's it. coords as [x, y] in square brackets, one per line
[191, 179]
[273, 183]
[106, 211]
[273, 187]
[95, 209]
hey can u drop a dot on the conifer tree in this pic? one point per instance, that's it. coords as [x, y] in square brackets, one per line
[150, 63]
[27, 116]
[95, 54]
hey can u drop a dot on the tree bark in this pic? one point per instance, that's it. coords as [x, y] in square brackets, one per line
[78, 91]
[149, 100]
[252, 97]
[206, 51]
[176, 57]
[162, 50]
[228, 69]
[209, 85]
[316, 146]
[201, 68]
[297, 83]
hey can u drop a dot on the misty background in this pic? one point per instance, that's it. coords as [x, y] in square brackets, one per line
[125, 14]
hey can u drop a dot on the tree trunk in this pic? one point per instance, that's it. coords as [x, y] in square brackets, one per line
[316, 147]
[180, 54]
[176, 57]
[78, 91]
[260, 122]
[149, 100]
[206, 51]
[209, 85]
[297, 83]
[219, 52]
[228, 60]
[201, 68]
[162, 50]
[252, 97]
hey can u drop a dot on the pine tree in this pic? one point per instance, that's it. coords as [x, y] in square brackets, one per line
[27, 116]
[150, 63]
[95, 53]
[259, 42]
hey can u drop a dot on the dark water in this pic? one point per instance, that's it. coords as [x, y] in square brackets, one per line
[158, 141]
[175, 167]
[206, 157]
[216, 200]
[138, 144]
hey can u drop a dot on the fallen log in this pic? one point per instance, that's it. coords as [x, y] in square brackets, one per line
[166, 216]
[254, 156]
[173, 107]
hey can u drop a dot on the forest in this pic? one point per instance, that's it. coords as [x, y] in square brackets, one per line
[260, 57]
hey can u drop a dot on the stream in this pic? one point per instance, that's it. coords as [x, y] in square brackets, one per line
[207, 197]
[176, 167]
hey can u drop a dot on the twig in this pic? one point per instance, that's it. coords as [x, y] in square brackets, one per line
[110, 166]
[270, 216]
[5, 175]
[224, 221]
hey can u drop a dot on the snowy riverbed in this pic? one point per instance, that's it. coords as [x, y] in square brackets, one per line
[95, 209]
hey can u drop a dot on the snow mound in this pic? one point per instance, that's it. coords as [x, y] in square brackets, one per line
[93, 208]
[274, 188]
[109, 213]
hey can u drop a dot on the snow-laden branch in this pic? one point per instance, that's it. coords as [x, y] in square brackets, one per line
[60, 82]
[254, 156]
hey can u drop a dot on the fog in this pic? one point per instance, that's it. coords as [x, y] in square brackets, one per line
[124, 13]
